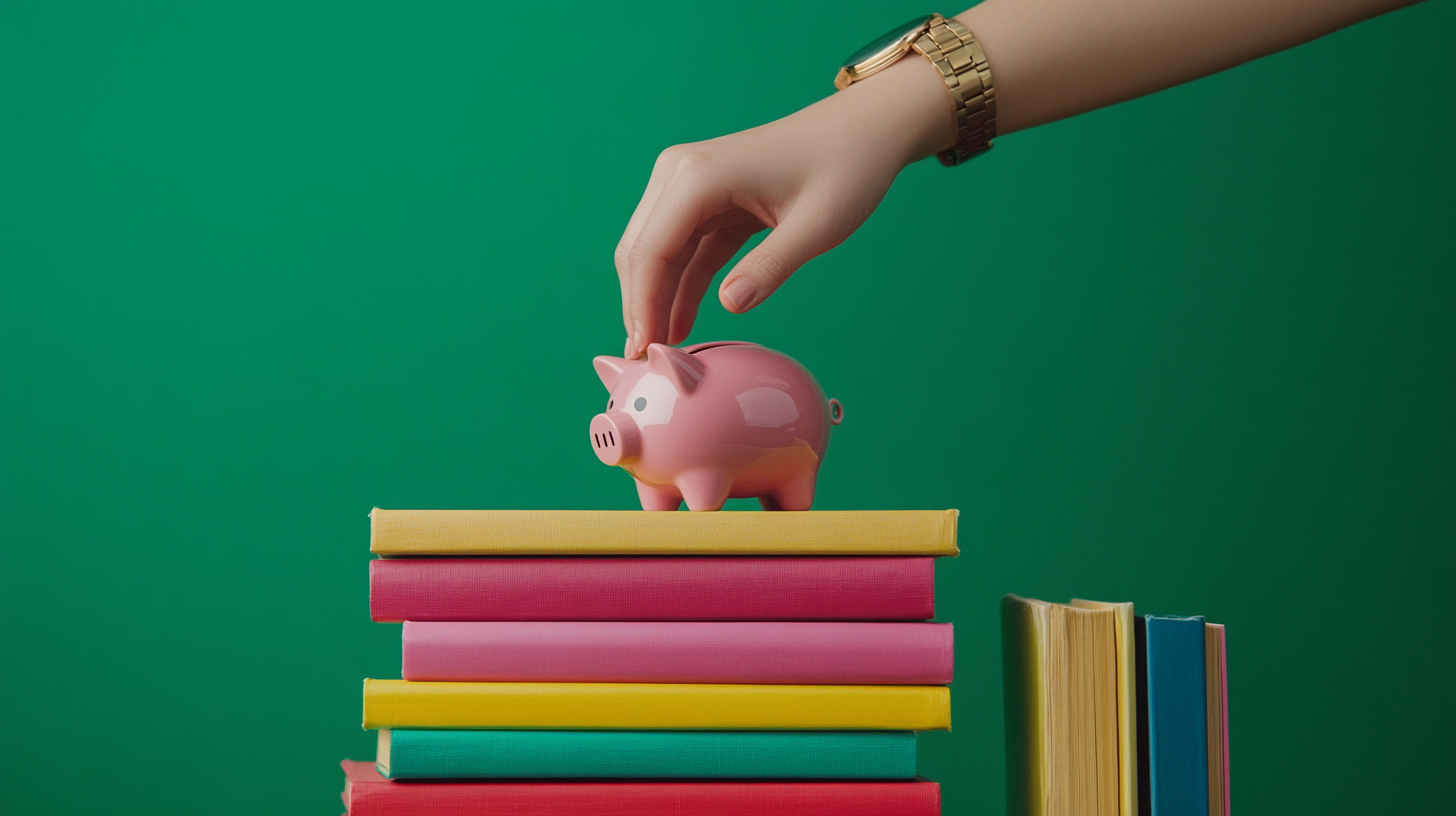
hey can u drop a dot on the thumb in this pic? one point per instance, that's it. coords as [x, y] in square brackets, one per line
[764, 269]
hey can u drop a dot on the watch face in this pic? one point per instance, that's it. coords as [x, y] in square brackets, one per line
[890, 39]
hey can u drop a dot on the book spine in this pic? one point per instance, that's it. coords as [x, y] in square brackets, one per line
[420, 798]
[680, 652]
[636, 589]
[651, 754]
[634, 532]
[654, 706]
[1177, 716]
[1024, 707]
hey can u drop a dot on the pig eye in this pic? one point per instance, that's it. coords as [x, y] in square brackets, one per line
[640, 403]
[609, 404]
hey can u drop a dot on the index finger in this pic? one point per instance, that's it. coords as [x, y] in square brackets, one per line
[662, 171]
[669, 234]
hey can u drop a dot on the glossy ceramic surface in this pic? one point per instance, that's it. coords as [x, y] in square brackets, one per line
[714, 421]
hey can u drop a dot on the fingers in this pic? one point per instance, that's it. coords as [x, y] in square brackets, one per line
[661, 174]
[803, 235]
[716, 249]
[667, 240]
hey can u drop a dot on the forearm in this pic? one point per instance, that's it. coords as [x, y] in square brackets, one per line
[1051, 59]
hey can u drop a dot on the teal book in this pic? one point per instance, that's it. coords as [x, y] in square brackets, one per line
[1174, 711]
[646, 754]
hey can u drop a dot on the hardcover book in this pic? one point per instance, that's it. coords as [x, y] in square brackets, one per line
[1174, 657]
[637, 589]
[654, 706]
[635, 532]
[1216, 659]
[680, 652]
[1062, 718]
[647, 754]
[1127, 684]
[366, 793]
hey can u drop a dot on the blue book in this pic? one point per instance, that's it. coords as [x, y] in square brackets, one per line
[1174, 711]
[410, 754]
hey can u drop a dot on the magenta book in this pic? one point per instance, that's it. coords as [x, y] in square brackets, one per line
[647, 589]
[679, 652]
[366, 793]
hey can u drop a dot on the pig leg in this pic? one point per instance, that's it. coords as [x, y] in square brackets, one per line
[704, 489]
[798, 494]
[654, 498]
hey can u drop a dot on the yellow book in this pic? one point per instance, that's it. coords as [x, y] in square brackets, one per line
[1062, 717]
[655, 706]
[636, 532]
[1127, 750]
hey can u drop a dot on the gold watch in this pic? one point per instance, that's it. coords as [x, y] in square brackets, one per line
[962, 63]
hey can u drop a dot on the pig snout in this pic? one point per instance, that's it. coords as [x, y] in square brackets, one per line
[615, 437]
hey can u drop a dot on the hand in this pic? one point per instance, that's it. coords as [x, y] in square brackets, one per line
[812, 178]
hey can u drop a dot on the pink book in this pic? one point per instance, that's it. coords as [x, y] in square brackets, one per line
[643, 589]
[366, 793]
[1223, 678]
[679, 652]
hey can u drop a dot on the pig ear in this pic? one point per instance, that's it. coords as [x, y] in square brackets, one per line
[676, 365]
[609, 369]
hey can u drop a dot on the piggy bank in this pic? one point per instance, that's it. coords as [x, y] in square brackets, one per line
[714, 421]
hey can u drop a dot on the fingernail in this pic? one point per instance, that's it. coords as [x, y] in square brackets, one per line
[741, 293]
[637, 340]
[627, 349]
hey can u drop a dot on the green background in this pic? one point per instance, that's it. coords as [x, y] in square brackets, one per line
[266, 265]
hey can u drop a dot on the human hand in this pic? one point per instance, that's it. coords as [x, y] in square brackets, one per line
[812, 178]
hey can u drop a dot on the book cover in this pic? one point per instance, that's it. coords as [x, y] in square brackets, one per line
[1060, 682]
[654, 706]
[635, 532]
[790, 652]
[1177, 724]
[635, 589]
[647, 754]
[366, 793]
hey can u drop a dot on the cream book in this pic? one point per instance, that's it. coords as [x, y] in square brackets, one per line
[1127, 734]
[1070, 685]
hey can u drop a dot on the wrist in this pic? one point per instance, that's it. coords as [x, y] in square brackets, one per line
[904, 107]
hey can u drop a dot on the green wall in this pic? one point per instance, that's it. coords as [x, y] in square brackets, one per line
[266, 265]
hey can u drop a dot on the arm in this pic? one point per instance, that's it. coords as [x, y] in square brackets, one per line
[813, 177]
[1057, 58]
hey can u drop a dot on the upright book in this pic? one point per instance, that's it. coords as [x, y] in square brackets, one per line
[791, 652]
[644, 589]
[1062, 715]
[635, 532]
[1124, 629]
[366, 793]
[1173, 657]
[1216, 662]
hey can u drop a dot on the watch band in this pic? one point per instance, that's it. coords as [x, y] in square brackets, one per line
[951, 48]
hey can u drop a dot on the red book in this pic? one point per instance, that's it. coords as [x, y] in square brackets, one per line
[644, 589]
[366, 793]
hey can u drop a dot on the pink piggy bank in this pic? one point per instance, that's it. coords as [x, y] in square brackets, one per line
[714, 421]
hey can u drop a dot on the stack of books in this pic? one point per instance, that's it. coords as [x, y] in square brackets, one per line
[568, 662]
[1112, 714]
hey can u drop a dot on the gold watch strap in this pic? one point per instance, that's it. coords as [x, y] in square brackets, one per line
[962, 63]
